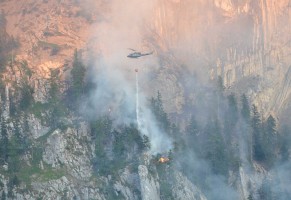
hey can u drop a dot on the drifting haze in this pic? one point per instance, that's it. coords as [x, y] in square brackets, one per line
[189, 31]
[126, 26]
[114, 73]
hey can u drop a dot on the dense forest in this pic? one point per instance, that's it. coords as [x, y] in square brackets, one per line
[232, 133]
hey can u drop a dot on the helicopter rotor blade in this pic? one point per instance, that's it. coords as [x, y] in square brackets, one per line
[131, 49]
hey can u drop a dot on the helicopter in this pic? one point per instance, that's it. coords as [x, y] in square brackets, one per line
[137, 54]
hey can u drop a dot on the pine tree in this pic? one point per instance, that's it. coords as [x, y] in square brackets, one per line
[220, 85]
[284, 142]
[193, 135]
[26, 95]
[3, 197]
[258, 153]
[245, 125]
[232, 104]
[231, 118]
[146, 142]
[215, 147]
[245, 110]
[12, 106]
[57, 108]
[230, 137]
[270, 140]
[192, 128]
[250, 197]
[54, 91]
[4, 143]
[99, 130]
[271, 126]
[159, 112]
[265, 192]
[78, 76]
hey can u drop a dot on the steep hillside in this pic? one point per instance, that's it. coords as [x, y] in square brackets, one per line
[232, 39]
[48, 31]
[203, 115]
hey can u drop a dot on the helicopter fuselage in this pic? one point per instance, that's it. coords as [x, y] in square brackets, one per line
[138, 54]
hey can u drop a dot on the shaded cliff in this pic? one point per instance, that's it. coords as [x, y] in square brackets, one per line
[68, 122]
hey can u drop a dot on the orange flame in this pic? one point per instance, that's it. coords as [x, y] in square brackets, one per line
[164, 160]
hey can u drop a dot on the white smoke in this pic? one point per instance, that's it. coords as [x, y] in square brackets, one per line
[160, 142]
[114, 73]
[197, 34]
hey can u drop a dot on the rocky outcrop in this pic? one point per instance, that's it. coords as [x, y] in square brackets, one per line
[249, 181]
[6, 105]
[70, 148]
[59, 189]
[171, 90]
[125, 191]
[127, 182]
[185, 190]
[36, 128]
[55, 189]
[150, 189]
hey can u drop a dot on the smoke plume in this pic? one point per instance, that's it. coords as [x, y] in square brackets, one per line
[193, 33]
[114, 73]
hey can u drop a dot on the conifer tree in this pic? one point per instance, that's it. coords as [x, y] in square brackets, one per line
[284, 143]
[57, 108]
[231, 118]
[3, 197]
[159, 112]
[265, 192]
[146, 142]
[78, 76]
[270, 140]
[245, 125]
[220, 85]
[215, 147]
[258, 153]
[271, 128]
[233, 110]
[192, 128]
[4, 142]
[245, 110]
[193, 135]
[26, 95]
[12, 106]
[250, 197]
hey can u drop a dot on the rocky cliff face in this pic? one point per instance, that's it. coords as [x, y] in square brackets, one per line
[245, 42]
[184, 189]
[233, 39]
[149, 187]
